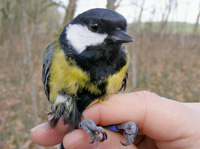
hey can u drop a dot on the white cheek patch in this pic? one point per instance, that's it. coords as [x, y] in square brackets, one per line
[80, 37]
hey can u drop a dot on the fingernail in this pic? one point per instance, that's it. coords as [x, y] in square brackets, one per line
[39, 127]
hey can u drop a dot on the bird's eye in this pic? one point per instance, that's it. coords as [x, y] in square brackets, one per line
[94, 26]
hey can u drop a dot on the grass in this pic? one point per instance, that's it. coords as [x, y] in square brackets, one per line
[171, 27]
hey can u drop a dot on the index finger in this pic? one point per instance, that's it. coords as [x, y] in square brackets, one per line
[155, 116]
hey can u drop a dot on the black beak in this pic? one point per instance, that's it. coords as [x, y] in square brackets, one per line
[121, 37]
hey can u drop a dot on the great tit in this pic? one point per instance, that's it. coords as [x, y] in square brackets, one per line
[87, 62]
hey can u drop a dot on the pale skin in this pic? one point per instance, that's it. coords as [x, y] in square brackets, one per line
[162, 123]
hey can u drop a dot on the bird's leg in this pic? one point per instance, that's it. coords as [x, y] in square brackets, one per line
[94, 131]
[130, 132]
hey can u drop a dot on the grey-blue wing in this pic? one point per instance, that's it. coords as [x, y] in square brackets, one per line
[47, 55]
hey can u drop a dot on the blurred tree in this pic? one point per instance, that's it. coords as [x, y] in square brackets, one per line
[181, 29]
[141, 11]
[113, 4]
[69, 9]
[30, 14]
[40, 13]
[169, 6]
[135, 29]
[141, 8]
[110, 4]
[10, 15]
[195, 30]
[69, 12]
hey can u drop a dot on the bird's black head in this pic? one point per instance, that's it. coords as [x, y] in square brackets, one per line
[96, 32]
[101, 21]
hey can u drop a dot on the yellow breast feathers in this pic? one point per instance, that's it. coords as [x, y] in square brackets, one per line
[66, 75]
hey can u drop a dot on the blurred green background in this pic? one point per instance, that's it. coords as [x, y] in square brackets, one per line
[164, 56]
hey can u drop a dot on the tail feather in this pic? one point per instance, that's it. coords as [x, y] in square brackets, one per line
[67, 111]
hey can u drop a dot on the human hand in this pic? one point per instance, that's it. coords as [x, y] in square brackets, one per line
[162, 123]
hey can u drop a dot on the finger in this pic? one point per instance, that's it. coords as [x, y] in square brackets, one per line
[116, 110]
[147, 142]
[81, 140]
[44, 136]
[194, 106]
[154, 115]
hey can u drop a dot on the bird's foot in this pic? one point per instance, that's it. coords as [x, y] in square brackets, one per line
[130, 132]
[94, 131]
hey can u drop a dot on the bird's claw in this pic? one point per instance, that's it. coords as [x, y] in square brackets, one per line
[94, 131]
[130, 132]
